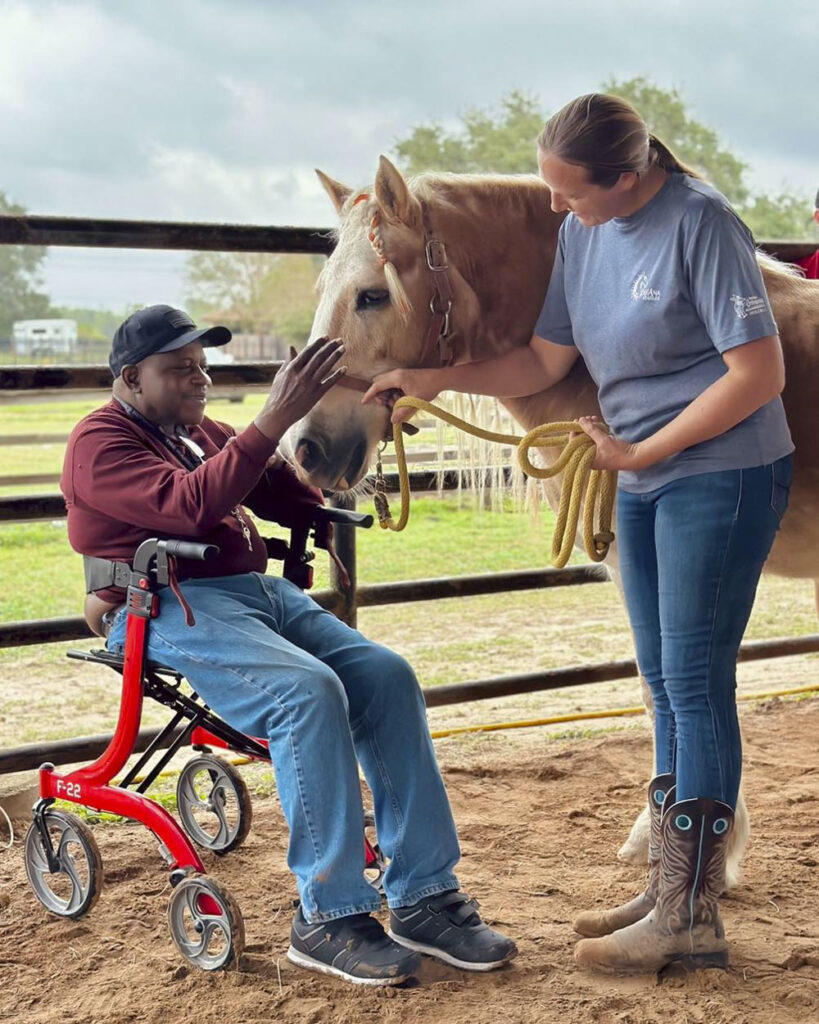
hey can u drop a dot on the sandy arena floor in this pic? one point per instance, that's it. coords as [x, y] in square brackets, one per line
[539, 825]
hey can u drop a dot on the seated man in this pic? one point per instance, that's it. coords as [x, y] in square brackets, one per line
[266, 657]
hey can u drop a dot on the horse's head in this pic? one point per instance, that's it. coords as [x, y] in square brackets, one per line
[374, 292]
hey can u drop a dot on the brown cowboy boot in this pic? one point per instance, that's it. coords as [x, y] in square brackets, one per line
[685, 924]
[602, 922]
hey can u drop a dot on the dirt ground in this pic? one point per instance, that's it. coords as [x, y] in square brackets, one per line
[539, 824]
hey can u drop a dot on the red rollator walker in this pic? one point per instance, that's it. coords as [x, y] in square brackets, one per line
[63, 862]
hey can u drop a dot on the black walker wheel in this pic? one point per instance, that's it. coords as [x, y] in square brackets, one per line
[214, 803]
[206, 924]
[71, 885]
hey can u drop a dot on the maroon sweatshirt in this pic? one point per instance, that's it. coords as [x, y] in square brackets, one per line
[122, 486]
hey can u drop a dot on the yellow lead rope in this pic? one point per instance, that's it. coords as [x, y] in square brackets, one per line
[579, 480]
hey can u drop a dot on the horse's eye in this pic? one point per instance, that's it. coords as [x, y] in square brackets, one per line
[371, 298]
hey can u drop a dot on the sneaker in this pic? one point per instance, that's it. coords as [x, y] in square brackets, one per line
[355, 948]
[449, 927]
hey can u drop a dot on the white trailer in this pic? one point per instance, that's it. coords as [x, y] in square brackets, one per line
[44, 337]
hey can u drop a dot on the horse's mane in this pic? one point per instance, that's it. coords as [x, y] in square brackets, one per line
[777, 268]
[457, 190]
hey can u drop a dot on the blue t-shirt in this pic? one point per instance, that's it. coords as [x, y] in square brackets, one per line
[651, 301]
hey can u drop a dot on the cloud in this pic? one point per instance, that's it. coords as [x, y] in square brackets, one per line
[219, 109]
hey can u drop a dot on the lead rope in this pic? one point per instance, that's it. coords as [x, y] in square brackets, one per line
[579, 480]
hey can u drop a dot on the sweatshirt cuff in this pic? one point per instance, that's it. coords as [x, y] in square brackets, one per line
[256, 445]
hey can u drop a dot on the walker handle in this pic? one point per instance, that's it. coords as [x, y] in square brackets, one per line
[189, 549]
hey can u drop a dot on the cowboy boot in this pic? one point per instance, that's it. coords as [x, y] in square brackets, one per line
[593, 922]
[684, 925]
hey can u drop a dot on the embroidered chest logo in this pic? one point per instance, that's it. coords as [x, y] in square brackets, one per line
[641, 292]
[748, 305]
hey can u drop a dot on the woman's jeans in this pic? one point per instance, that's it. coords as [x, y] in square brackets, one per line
[691, 554]
[274, 664]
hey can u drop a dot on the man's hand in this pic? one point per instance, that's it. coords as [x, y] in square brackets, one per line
[303, 379]
[388, 387]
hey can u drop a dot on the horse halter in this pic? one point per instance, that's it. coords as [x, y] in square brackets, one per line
[437, 344]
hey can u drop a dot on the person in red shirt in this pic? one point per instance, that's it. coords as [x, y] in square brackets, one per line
[265, 656]
[810, 264]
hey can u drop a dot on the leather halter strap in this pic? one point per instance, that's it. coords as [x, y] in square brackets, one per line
[440, 305]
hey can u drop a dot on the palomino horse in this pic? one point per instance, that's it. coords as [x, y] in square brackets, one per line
[456, 267]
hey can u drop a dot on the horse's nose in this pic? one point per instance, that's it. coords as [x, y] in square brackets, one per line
[310, 454]
[336, 465]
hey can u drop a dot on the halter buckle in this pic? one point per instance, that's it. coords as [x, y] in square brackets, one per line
[436, 255]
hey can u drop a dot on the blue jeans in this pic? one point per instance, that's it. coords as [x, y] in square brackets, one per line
[691, 553]
[274, 664]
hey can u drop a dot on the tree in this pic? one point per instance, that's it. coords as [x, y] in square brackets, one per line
[20, 298]
[504, 143]
[780, 218]
[694, 143]
[256, 293]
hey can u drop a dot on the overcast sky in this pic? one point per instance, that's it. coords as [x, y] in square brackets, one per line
[218, 110]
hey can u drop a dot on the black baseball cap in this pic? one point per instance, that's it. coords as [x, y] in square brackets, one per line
[158, 329]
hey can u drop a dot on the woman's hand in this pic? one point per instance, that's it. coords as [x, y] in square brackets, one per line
[388, 387]
[612, 453]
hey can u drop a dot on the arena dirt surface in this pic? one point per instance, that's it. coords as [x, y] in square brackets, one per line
[539, 826]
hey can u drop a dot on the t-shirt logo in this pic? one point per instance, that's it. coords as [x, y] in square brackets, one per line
[747, 305]
[641, 292]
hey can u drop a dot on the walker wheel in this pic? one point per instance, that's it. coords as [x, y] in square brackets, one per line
[73, 889]
[376, 863]
[206, 924]
[214, 803]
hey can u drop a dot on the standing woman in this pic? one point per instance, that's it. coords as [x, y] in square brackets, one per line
[656, 284]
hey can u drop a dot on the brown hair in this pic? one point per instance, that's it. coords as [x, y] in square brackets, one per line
[606, 135]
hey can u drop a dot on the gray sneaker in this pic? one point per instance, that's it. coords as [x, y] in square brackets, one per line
[355, 948]
[448, 926]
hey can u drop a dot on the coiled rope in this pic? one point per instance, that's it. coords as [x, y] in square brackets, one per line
[592, 488]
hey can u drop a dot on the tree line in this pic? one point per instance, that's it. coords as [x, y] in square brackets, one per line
[274, 295]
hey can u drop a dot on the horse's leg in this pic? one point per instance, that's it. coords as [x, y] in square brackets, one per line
[635, 849]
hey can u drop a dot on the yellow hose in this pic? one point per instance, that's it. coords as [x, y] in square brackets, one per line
[589, 715]
[583, 716]
[579, 479]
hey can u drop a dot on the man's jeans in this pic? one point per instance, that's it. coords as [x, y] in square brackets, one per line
[273, 664]
[690, 555]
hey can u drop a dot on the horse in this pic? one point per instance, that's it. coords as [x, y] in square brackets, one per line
[454, 267]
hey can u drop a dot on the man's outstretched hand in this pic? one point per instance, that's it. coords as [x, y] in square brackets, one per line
[303, 379]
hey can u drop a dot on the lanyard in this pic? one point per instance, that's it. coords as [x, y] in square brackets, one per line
[186, 451]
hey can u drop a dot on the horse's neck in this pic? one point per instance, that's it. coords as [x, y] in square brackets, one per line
[502, 242]
[503, 245]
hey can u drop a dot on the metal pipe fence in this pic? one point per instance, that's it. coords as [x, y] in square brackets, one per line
[27, 381]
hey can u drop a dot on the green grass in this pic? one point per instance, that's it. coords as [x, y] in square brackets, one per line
[446, 640]
[444, 537]
[59, 418]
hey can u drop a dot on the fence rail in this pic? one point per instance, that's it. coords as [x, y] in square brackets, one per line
[31, 756]
[101, 233]
[30, 229]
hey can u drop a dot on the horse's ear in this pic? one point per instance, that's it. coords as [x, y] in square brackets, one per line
[393, 195]
[335, 190]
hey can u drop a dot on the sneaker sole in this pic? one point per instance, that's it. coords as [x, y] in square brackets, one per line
[303, 960]
[464, 965]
